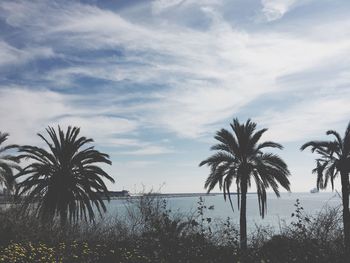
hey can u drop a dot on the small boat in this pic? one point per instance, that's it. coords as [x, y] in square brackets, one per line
[314, 190]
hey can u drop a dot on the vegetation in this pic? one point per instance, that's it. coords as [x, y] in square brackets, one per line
[8, 164]
[65, 181]
[239, 158]
[334, 159]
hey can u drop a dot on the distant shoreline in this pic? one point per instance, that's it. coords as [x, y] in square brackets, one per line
[169, 195]
[177, 195]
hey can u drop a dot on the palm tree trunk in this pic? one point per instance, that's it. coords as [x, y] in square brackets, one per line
[346, 212]
[63, 219]
[243, 217]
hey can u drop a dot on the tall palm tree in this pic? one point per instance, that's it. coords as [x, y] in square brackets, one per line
[8, 163]
[334, 159]
[64, 181]
[239, 158]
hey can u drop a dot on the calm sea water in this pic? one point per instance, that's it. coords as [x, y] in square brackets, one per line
[279, 210]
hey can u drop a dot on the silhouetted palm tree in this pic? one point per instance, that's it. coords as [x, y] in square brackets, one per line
[64, 181]
[239, 158]
[334, 159]
[8, 163]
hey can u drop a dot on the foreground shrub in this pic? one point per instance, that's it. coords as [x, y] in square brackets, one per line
[62, 252]
[307, 239]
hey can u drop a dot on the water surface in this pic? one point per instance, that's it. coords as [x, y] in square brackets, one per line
[279, 210]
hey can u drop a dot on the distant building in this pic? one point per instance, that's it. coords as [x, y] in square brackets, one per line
[314, 190]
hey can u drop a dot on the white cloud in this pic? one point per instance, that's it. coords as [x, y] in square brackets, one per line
[163, 5]
[149, 150]
[160, 6]
[101, 128]
[122, 142]
[275, 9]
[136, 164]
[11, 55]
[25, 112]
[309, 119]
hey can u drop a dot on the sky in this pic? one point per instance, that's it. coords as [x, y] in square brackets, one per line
[152, 81]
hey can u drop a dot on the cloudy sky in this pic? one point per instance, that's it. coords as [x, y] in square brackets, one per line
[152, 81]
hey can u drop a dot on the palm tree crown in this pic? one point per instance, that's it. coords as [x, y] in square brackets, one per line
[64, 181]
[239, 157]
[334, 157]
[8, 163]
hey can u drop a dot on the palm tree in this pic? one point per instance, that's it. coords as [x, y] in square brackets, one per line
[239, 158]
[8, 163]
[64, 181]
[334, 159]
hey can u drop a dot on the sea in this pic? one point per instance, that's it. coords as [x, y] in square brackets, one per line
[279, 210]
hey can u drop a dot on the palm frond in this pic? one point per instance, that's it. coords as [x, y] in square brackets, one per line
[8, 164]
[269, 144]
[337, 136]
